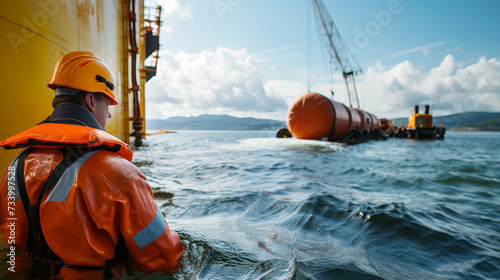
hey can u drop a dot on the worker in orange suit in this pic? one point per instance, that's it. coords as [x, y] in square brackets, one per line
[73, 196]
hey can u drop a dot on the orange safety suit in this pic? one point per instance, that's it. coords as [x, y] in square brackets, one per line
[100, 198]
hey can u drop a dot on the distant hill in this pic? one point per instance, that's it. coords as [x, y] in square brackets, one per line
[462, 121]
[214, 122]
[487, 125]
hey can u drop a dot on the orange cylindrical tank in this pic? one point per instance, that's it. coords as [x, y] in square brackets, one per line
[366, 121]
[342, 121]
[371, 121]
[376, 122]
[355, 119]
[314, 116]
[311, 116]
[362, 118]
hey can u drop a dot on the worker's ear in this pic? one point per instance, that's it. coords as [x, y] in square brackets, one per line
[90, 101]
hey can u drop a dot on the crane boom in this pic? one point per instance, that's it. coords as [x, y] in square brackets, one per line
[337, 50]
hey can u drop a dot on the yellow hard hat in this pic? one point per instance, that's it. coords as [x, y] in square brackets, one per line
[83, 71]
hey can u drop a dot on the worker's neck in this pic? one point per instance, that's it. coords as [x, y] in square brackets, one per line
[70, 113]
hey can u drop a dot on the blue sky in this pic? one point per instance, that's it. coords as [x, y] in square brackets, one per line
[249, 58]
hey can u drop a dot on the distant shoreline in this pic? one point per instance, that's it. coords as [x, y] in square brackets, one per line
[473, 129]
[469, 121]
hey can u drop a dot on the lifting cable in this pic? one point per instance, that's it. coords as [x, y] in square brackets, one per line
[328, 66]
[308, 46]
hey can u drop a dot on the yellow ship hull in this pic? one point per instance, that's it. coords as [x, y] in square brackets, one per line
[36, 34]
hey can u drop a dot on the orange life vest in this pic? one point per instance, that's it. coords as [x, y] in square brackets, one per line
[100, 199]
[65, 135]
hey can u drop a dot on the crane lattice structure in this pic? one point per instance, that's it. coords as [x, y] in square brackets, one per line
[338, 51]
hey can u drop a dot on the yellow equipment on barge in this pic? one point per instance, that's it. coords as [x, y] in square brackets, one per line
[420, 126]
[36, 34]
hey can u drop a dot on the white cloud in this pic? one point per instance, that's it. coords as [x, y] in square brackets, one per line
[230, 82]
[449, 88]
[175, 8]
[172, 13]
[224, 81]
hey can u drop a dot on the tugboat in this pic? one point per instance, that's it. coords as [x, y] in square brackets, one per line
[420, 126]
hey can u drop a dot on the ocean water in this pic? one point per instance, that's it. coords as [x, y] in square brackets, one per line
[250, 206]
